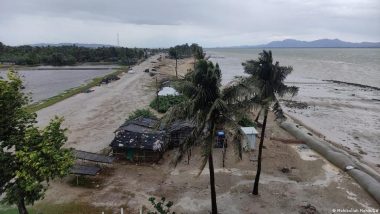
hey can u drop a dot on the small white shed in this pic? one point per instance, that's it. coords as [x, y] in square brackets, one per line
[249, 141]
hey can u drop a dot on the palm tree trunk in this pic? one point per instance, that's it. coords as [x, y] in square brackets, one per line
[224, 153]
[158, 98]
[21, 206]
[258, 115]
[257, 178]
[188, 156]
[176, 62]
[212, 184]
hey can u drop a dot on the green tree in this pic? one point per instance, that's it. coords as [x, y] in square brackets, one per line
[265, 82]
[29, 157]
[208, 107]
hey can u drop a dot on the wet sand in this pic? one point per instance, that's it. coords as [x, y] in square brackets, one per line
[345, 115]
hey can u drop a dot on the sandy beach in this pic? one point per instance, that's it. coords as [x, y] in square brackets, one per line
[310, 182]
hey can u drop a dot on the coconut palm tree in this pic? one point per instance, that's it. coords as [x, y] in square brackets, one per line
[173, 52]
[208, 107]
[265, 81]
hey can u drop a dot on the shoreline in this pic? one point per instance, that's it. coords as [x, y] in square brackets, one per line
[353, 84]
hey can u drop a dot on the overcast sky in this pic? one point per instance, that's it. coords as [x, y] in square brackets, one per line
[163, 23]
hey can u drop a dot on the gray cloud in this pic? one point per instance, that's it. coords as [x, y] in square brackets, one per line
[167, 22]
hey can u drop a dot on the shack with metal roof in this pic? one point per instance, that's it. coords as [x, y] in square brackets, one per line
[139, 140]
[178, 131]
[249, 140]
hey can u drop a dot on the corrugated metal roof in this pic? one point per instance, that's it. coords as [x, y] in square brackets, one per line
[84, 170]
[135, 140]
[140, 124]
[177, 125]
[93, 157]
[249, 130]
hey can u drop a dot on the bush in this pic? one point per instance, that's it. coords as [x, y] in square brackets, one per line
[246, 122]
[141, 112]
[161, 207]
[165, 102]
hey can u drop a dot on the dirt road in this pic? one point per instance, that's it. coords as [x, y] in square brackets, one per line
[92, 117]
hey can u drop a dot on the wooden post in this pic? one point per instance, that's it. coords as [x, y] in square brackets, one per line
[158, 98]
[224, 152]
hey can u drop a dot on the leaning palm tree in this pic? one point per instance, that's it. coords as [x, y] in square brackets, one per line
[266, 81]
[208, 108]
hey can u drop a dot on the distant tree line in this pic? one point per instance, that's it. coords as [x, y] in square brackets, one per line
[185, 50]
[71, 54]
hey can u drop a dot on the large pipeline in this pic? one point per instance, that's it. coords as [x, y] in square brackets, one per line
[366, 177]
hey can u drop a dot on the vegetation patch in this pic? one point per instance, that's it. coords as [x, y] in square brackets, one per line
[141, 112]
[74, 91]
[66, 208]
[246, 122]
[70, 208]
[163, 103]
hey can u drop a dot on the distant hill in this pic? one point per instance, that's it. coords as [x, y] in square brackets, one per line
[70, 44]
[321, 43]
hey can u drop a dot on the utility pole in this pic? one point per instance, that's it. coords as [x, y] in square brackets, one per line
[158, 98]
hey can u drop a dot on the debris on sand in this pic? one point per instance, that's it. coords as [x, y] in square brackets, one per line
[295, 104]
[109, 79]
[308, 209]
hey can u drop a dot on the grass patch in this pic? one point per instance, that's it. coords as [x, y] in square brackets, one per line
[66, 208]
[141, 112]
[5, 209]
[70, 208]
[71, 92]
[246, 122]
[165, 102]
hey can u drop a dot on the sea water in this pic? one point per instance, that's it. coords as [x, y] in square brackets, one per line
[344, 114]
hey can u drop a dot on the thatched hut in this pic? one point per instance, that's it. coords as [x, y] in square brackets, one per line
[139, 141]
[178, 132]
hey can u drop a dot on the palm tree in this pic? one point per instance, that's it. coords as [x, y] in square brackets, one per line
[208, 108]
[173, 52]
[266, 83]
